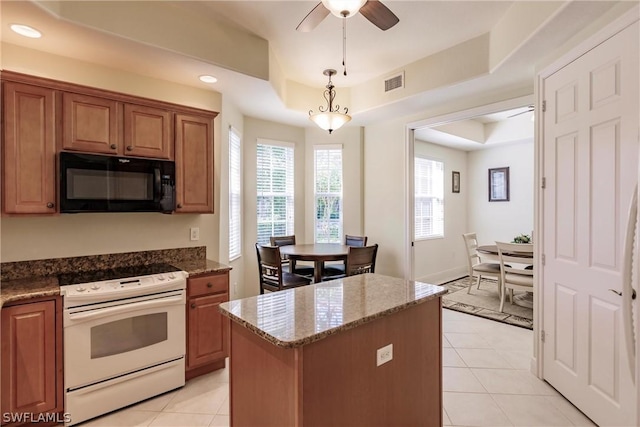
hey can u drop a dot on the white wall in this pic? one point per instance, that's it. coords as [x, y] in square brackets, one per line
[501, 221]
[29, 238]
[443, 259]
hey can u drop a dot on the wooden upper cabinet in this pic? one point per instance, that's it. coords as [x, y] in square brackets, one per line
[194, 164]
[29, 149]
[90, 124]
[147, 132]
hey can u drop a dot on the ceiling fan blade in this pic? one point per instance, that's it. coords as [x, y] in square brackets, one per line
[314, 18]
[528, 110]
[379, 14]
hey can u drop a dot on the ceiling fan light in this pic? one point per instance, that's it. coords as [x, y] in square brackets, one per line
[330, 121]
[337, 7]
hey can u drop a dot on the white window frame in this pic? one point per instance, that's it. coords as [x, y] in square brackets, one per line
[235, 194]
[288, 194]
[435, 193]
[340, 221]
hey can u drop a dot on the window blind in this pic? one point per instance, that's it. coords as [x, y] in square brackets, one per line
[328, 193]
[275, 191]
[235, 195]
[429, 198]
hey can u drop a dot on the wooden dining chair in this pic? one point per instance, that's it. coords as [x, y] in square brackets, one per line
[518, 277]
[475, 265]
[272, 277]
[361, 260]
[302, 269]
[336, 269]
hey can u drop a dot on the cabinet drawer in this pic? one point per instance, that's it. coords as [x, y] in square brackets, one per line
[212, 284]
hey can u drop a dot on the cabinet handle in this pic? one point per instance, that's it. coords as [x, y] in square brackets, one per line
[193, 305]
[114, 146]
[129, 148]
[179, 206]
[50, 205]
[209, 285]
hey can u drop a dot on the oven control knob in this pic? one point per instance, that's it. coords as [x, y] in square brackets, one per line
[172, 276]
[81, 289]
[95, 287]
[161, 277]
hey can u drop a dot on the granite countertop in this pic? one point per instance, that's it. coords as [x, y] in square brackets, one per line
[300, 316]
[43, 286]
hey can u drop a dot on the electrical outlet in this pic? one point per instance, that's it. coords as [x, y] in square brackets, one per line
[194, 233]
[384, 354]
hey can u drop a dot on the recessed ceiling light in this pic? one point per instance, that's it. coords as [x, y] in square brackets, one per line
[208, 79]
[27, 31]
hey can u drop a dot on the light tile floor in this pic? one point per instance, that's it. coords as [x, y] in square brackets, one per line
[486, 382]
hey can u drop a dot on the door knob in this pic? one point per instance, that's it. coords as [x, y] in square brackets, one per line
[633, 293]
[129, 148]
[114, 146]
[50, 205]
[209, 285]
[193, 305]
[179, 206]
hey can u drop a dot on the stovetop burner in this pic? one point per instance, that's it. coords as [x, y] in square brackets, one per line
[114, 273]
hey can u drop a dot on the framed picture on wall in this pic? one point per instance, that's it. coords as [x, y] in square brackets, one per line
[455, 182]
[499, 184]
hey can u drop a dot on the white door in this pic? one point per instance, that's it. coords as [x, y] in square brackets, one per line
[590, 143]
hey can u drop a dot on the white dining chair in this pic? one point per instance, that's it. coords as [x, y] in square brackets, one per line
[518, 273]
[476, 266]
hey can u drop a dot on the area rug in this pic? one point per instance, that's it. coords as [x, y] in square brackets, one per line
[485, 302]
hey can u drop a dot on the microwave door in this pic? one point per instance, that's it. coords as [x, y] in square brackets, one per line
[83, 183]
[133, 185]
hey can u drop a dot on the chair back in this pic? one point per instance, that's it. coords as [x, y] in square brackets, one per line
[282, 240]
[513, 254]
[355, 240]
[269, 267]
[471, 245]
[361, 259]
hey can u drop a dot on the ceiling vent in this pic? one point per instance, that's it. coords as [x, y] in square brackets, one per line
[394, 82]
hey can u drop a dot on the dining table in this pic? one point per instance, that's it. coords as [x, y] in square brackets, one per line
[490, 253]
[319, 253]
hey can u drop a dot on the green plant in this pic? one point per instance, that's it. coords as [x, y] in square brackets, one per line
[522, 238]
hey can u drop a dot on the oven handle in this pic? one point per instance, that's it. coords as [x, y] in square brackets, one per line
[109, 311]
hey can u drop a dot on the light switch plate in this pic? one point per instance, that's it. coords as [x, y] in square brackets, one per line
[194, 233]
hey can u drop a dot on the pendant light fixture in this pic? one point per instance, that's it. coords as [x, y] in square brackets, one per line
[330, 118]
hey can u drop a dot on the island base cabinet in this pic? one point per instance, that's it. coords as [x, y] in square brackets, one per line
[32, 362]
[335, 381]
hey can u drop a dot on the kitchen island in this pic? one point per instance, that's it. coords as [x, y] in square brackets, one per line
[360, 351]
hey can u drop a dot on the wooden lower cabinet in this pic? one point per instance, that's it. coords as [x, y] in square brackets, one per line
[207, 328]
[31, 367]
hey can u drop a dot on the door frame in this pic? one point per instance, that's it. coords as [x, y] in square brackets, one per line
[410, 128]
[609, 30]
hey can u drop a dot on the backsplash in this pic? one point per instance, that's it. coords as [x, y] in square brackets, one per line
[54, 266]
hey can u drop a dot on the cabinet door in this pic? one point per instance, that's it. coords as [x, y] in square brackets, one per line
[194, 164]
[147, 132]
[29, 378]
[29, 149]
[208, 330]
[90, 124]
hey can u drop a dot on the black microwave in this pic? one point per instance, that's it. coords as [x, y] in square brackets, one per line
[95, 183]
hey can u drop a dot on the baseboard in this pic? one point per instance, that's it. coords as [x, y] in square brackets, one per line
[445, 276]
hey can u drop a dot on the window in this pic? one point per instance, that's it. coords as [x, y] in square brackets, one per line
[235, 195]
[275, 190]
[328, 193]
[429, 198]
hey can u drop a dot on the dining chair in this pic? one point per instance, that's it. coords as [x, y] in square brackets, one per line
[338, 268]
[475, 265]
[520, 275]
[272, 277]
[361, 259]
[301, 269]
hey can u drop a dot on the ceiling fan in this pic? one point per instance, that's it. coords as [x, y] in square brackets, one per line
[376, 12]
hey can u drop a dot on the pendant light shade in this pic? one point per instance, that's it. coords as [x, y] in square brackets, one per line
[330, 118]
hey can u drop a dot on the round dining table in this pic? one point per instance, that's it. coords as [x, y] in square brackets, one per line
[316, 252]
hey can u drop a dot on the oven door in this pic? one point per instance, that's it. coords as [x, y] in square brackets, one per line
[122, 337]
